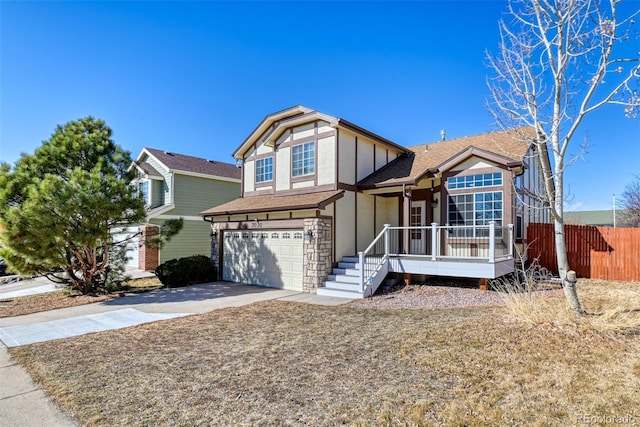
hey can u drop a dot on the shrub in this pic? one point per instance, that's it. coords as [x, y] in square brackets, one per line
[186, 271]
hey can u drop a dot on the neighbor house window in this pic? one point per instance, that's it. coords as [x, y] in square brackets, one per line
[303, 161]
[143, 191]
[477, 209]
[475, 181]
[264, 169]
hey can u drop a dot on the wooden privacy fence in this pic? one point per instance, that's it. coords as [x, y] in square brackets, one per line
[594, 252]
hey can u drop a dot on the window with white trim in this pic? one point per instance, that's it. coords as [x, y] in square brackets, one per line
[142, 188]
[303, 159]
[264, 169]
[475, 209]
[475, 181]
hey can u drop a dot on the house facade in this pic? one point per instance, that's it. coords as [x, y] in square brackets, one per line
[317, 188]
[177, 186]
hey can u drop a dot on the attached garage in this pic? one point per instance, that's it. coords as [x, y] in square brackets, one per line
[271, 258]
[132, 243]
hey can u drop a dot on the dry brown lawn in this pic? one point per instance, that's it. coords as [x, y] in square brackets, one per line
[281, 363]
[52, 300]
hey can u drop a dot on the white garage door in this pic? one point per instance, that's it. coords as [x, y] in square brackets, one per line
[266, 257]
[132, 244]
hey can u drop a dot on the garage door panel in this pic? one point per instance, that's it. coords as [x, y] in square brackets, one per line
[268, 258]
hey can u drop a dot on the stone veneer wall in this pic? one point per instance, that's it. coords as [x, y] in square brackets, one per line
[148, 256]
[317, 253]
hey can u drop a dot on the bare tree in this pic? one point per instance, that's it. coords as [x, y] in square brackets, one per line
[557, 63]
[630, 202]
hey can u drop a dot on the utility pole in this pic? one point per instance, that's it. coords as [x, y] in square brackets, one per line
[614, 210]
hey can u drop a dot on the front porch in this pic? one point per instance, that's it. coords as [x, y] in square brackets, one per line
[483, 252]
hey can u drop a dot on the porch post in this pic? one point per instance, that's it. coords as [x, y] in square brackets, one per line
[511, 240]
[406, 220]
[386, 239]
[361, 271]
[492, 242]
[434, 242]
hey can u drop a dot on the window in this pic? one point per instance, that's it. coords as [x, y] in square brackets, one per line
[303, 160]
[475, 181]
[476, 209]
[264, 169]
[143, 191]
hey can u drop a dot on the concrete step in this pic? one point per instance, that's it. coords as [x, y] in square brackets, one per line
[353, 259]
[330, 292]
[346, 271]
[342, 286]
[348, 265]
[343, 278]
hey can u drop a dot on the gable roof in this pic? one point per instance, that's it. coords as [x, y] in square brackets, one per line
[193, 165]
[505, 147]
[272, 203]
[274, 124]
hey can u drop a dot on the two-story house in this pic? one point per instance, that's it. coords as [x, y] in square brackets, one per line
[178, 186]
[317, 189]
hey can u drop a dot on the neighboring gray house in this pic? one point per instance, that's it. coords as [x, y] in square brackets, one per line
[179, 186]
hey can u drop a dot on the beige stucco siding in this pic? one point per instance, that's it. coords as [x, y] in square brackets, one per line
[474, 163]
[365, 165]
[283, 168]
[347, 158]
[303, 131]
[326, 164]
[249, 170]
[387, 212]
[365, 221]
[345, 225]
[324, 127]
[381, 156]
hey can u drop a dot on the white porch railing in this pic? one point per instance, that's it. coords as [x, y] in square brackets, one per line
[483, 243]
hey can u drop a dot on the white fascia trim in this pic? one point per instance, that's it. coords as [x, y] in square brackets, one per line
[185, 217]
[205, 175]
[159, 211]
[270, 137]
[144, 151]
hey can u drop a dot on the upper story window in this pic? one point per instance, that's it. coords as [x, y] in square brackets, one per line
[143, 191]
[475, 181]
[303, 160]
[264, 169]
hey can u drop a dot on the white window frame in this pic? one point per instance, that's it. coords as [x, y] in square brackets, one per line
[262, 170]
[303, 169]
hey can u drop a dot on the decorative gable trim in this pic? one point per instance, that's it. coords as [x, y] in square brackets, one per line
[480, 153]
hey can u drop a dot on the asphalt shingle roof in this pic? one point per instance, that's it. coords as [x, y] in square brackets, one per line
[512, 145]
[271, 203]
[182, 162]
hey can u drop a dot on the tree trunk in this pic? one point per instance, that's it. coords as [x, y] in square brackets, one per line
[568, 281]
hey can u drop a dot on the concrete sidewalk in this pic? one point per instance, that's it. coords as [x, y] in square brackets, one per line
[22, 403]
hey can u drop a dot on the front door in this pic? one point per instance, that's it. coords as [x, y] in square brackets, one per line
[418, 219]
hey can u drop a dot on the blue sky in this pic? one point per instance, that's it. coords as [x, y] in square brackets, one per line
[197, 77]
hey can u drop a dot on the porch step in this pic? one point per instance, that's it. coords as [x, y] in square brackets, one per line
[330, 292]
[341, 286]
[346, 271]
[343, 278]
[348, 265]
